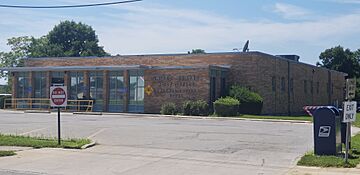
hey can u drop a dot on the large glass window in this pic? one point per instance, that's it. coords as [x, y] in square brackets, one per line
[57, 78]
[40, 85]
[23, 88]
[96, 90]
[136, 100]
[117, 91]
[77, 87]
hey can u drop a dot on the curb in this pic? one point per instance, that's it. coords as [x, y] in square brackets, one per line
[209, 118]
[87, 113]
[246, 119]
[88, 145]
[37, 111]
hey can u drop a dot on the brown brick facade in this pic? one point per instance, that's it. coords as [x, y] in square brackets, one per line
[176, 86]
[295, 84]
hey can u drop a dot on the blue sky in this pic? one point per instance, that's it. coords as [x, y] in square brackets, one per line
[301, 27]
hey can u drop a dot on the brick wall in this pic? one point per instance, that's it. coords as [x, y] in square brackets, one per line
[254, 70]
[176, 86]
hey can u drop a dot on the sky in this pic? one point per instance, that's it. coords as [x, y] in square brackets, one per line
[301, 27]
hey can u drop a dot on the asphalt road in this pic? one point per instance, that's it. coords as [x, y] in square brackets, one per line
[130, 144]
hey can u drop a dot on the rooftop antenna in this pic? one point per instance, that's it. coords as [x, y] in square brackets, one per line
[246, 46]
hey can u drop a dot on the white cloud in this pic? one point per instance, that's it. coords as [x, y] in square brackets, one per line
[149, 30]
[290, 11]
[142, 29]
[347, 1]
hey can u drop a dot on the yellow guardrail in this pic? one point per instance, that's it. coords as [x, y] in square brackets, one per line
[44, 104]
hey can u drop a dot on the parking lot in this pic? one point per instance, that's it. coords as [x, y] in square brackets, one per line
[147, 144]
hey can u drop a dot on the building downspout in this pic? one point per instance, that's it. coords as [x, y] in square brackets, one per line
[329, 87]
[289, 93]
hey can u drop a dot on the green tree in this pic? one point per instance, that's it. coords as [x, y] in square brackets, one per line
[197, 51]
[19, 48]
[343, 60]
[74, 39]
[340, 59]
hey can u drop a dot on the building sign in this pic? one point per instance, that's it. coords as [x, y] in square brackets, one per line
[58, 96]
[176, 86]
[349, 111]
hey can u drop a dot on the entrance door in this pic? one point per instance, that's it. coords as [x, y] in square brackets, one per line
[117, 92]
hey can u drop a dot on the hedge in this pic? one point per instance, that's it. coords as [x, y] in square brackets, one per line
[227, 106]
[195, 108]
[168, 109]
[250, 102]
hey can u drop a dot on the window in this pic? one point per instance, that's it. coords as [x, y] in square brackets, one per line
[57, 78]
[136, 100]
[23, 89]
[40, 85]
[273, 83]
[291, 85]
[96, 89]
[77, 86]
[223, 87]
[282, 84]
[317, 87]
[117, 91]
[305, 86]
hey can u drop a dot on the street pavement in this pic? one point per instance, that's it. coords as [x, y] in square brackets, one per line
[146, 144]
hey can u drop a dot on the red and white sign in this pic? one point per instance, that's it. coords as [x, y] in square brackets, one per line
[58, 96]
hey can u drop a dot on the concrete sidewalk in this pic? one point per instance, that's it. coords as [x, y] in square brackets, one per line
[300, 170]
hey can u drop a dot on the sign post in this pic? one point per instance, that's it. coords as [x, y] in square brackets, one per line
[58, 99]
[349, 108]
[349, 116]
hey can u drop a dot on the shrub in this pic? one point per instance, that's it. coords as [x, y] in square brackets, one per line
[250, 102]
[196, 108]
[168, 109]
[227, 106]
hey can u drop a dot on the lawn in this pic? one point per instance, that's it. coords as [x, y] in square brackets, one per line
[310, 159]
[37, 142]
[357, 122]
[299, 118]
[7, 153]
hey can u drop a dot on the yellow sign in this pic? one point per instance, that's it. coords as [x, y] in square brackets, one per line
[148, 90]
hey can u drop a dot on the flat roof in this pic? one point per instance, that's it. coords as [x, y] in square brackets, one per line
[60, 68]
[122, 67]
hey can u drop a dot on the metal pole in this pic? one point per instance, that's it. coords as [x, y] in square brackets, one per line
[59, 137]
[347, 143]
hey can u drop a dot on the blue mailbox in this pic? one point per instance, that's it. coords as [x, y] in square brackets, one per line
[327, 129]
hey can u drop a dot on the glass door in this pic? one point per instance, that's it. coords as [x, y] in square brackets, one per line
[117, 91]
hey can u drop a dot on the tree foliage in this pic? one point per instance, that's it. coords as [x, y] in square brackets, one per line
[340, 59]
[67, 39]
[74, 39]
[19, 48]
[197, 51]
[343, 60]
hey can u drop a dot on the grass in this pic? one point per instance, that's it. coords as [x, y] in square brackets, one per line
[357, 122]
[37, 142]
[310, 159]
[7, 153]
